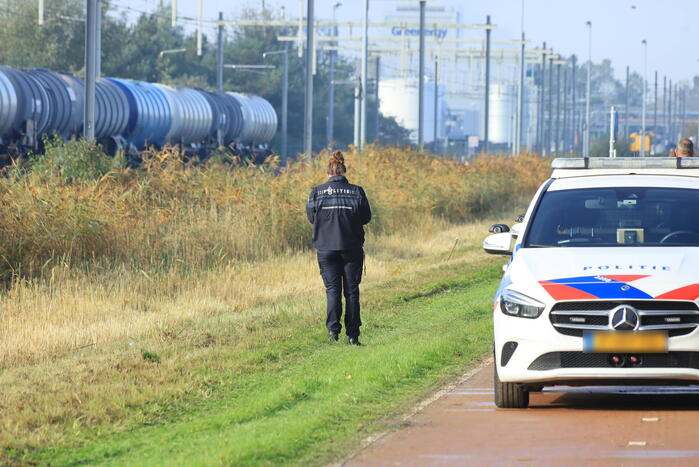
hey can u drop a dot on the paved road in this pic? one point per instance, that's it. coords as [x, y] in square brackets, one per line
[646, 426]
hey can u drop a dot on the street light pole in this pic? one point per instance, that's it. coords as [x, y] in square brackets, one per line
[486, 136]
[519, 123]
[330, 122]
[519, 128]
[574, 106]
[655, 102]
[90, 69]
[365, 73]
[548, 134]
[219, 73]
[308, 114]
[540, 108]
[586, 137]
[436, 104]
[421, 81]
[358, 91]
[376, 97]
[643, 103]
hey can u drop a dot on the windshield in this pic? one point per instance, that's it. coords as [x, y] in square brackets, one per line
[616, 217]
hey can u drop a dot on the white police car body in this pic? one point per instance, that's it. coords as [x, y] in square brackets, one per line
[603, 283]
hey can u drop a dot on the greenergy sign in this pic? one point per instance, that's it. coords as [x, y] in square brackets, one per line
[415, 32]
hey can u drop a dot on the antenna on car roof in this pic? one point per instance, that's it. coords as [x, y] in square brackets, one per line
[612, 132]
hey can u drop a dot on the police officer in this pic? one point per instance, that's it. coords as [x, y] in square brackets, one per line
[338, 212]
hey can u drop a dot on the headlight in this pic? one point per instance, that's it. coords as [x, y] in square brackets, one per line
[516, 304]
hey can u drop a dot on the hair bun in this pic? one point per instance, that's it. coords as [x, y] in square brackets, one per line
[338, 157]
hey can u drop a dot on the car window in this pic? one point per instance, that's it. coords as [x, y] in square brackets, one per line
[625, 216]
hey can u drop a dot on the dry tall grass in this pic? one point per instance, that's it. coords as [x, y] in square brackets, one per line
[199, 218]
[136, 251]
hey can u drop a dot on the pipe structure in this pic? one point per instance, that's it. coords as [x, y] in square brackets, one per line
[486, 136]
[308, 113]
[421, 80]
[365, 77]
[90, 69]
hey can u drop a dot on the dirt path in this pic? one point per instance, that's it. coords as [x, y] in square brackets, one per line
[618, 426]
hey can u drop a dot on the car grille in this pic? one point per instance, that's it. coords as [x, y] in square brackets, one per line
[676, 317]
[558, 360]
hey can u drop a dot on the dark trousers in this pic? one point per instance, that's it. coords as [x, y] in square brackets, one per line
[342, 272]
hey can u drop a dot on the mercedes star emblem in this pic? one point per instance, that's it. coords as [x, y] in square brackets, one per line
[624, 318]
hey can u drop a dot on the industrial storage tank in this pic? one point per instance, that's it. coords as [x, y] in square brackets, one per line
[150, 113]
[259, 119]
[398, 98]
[503, 102]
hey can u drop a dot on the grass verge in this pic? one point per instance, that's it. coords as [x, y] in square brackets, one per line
[294, 398]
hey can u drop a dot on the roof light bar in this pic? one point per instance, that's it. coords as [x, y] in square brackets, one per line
[626, 163]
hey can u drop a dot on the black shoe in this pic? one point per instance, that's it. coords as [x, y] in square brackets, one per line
[333, 336]
[354, 341]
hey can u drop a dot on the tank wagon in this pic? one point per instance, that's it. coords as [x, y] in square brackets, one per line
[129, 115]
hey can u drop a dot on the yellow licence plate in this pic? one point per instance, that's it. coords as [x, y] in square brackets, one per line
[625, 341]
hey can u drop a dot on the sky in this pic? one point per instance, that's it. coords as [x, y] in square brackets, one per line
[618, 26]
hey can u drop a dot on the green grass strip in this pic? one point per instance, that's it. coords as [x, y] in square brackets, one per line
[313, 406]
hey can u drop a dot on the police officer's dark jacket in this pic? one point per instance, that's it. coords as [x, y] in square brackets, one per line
[338, 210]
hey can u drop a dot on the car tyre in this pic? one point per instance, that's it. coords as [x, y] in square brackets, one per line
[510, 395]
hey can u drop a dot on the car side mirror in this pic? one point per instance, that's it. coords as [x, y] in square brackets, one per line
[498, 228]
[498, 244]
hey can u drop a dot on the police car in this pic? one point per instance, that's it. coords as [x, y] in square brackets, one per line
[603, 282]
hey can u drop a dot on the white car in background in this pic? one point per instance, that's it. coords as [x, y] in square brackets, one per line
[603, 281]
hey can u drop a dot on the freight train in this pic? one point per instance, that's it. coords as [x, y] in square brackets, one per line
[129, 115]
